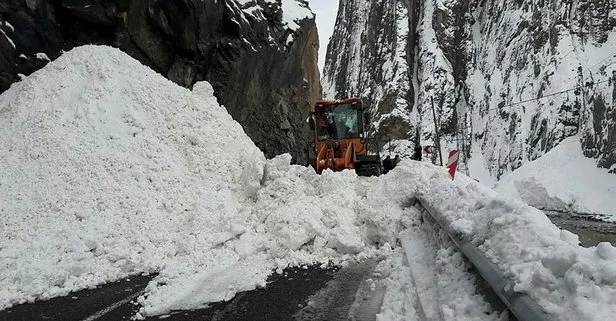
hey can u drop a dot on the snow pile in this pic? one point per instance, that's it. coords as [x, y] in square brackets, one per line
[298, 218]
[563, 179]
[108, 169]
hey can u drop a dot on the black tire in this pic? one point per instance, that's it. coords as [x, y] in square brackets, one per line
[368, 169]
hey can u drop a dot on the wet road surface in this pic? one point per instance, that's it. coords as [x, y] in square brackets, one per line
[109, 302]
[302, 294]
[591, 229]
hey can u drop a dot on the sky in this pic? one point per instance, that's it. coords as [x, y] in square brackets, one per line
[325, 11]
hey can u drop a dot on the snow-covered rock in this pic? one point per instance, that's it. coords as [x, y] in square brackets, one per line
[368, 56]
[507, 79]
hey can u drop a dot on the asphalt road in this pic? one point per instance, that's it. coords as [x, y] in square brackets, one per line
[109, 302]
[591, 229]
[301, 294]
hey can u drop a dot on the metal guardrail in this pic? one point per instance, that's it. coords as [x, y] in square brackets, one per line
[521, 305]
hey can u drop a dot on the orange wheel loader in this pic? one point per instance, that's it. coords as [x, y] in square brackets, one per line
[340, 138]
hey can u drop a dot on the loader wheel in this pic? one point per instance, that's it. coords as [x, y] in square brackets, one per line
[368, 169]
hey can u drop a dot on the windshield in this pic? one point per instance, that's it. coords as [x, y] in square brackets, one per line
[338, 121]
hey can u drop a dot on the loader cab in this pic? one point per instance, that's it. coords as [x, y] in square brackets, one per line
[338, 119]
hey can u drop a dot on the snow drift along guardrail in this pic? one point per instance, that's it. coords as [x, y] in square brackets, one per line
[521, 305]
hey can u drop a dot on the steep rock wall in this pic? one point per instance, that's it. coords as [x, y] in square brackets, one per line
[260, 59]
[535, 72]
[371, 55]
[506, 79]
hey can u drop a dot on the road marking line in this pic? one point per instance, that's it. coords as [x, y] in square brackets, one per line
[112, 307]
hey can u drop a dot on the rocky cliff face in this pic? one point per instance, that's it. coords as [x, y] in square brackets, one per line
[534, 73]
[508, 79]
[259, 55]
[368, 56]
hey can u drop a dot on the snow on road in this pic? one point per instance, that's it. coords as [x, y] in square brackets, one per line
[441, 278]
[107, 169]
[567, 280]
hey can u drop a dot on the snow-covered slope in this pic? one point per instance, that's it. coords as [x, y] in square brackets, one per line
[107, 169]
[535, 73]
[563, 179]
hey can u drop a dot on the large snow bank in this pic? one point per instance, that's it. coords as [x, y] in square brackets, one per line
[107, 169]
[563, 179]
[298, 217]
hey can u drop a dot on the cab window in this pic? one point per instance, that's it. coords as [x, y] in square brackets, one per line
[338, 122]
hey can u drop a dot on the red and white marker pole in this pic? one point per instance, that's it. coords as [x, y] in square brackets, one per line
[452, 162]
